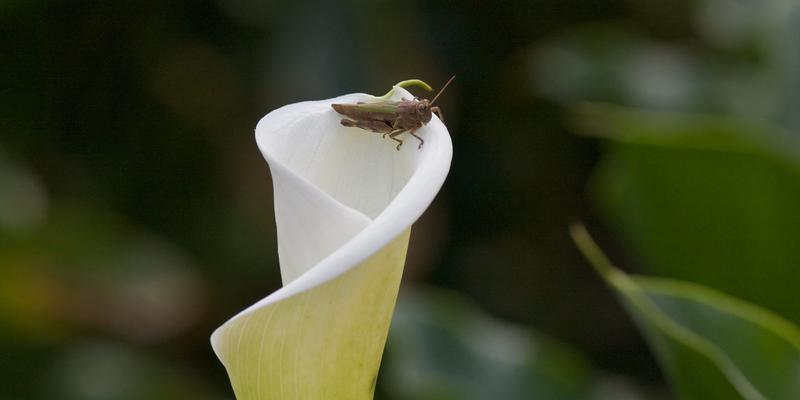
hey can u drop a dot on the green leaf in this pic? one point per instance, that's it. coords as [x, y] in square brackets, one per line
[710, 345]
[705, 199]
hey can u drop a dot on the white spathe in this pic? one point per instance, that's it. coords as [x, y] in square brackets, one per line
[345, 200]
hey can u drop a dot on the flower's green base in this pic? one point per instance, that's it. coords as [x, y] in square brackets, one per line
[324, 343]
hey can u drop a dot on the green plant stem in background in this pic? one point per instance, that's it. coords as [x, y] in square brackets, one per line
[710, 345]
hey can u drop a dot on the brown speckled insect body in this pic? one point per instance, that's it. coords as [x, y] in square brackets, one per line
[391, 118]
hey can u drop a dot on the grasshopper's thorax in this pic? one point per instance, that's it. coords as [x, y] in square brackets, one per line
[417, 110]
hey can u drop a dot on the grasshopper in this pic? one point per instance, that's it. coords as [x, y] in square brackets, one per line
[391, 118]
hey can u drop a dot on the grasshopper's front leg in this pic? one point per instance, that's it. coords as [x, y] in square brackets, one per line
[394, 135]
[413, 133]
[396, 131]
[438, 112]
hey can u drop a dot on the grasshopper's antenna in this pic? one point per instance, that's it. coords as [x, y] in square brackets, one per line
[443, 88]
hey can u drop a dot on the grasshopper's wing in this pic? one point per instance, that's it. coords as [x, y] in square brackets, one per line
[377, 111]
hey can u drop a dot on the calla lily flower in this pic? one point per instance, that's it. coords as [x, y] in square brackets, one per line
[345, 201]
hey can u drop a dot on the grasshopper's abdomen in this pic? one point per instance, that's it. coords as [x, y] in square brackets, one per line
[373, 126]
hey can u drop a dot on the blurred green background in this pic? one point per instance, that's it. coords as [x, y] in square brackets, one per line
[136, 211]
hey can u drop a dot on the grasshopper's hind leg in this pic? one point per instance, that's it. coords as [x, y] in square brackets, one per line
[348, 123]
